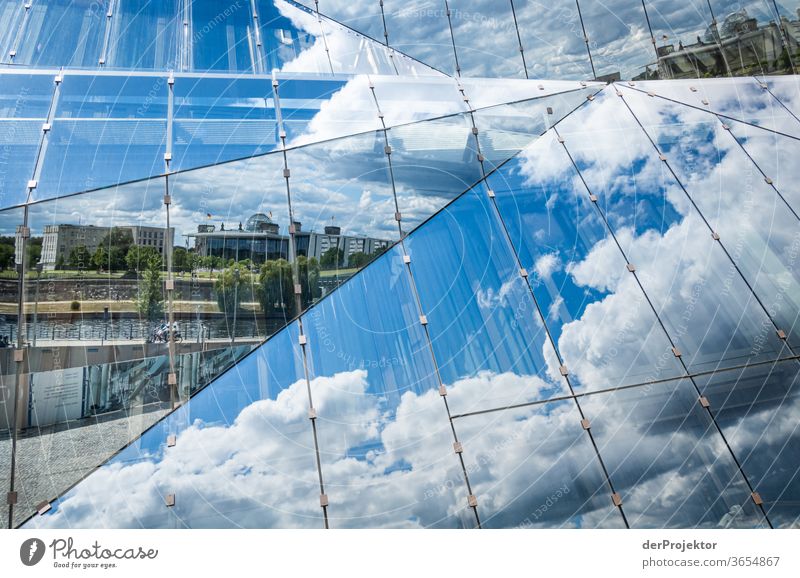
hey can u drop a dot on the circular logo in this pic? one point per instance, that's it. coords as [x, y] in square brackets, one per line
[32, 551]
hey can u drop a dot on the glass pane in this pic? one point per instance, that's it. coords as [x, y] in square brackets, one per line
[106, 130]
[365, 17]
[600, 318]
[219, 478]
[748, 28]
[667, 460]
[11, 14]
[485, 92]
[420, 29]
[534, 467]
[432, 97]
[432, 163]
[486, 39]
[553, 51]
[223, 37]
[619, 40]
[351, 53]
[787, 90]
[232, 223]
[145, 34]
[751, 219]
[221, 119]
[24, 104]
[346, 218]
[738, 98]
[705, 306]
[486, 333]
[9, 330]
[688, 44]
[63, 33]
[507, 129]
[318, 109]
[757, 409]
[291, 38]
[384, 435]
[775, 155]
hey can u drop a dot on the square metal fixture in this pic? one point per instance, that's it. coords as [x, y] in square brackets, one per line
[406, 259]
[172, 439]
[169, 500]
[302, 339]
[563, 370]
[170, 285]
[43, 508]
[458, 448]
[585, 424]
[423, 320]
[704, 401]
[323, 500]
[442, 390]
[630, 267]
[617, 499]
[472, 501]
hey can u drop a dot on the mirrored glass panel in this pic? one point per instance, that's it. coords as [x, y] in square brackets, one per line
[420, 29]
[738, 98]
[365, 17]
[534, 467]
[598, 315]
[432, 98]
[236, 456]
[774, 154]
[742, 208]
[223, 36]
[553, 50]
[688, 43]
[432, 163]
[231, 261]
[219, 119]
[343, 210]
[707, 309]
[757, 409]
[63, 33]
[10, 291]
[487, 335]
[747, 28]
[619, 40]
[147, 35]
[351, 53]
[291, 38]
[319, 109]
[384, 434]
[486, 39]
[484, 92]
[24, 104]
[667, 461]
[11, 15]
[786, 89]
[105, 130]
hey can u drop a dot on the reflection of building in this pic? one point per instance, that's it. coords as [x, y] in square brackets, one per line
[259, 240]
[737, 45]
[60, 240]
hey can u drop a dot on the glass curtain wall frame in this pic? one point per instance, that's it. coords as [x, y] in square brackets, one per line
[12, 372]
[666, 242]
[169, 478]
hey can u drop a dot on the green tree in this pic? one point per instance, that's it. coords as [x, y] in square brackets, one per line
[150, 301]
[231, 287]
[115, 246]
[180, 259]
[6, 256]
[276, 288]
[34, 252]
[138, 257]
[358, 259]
[333, 258]
[80, 258]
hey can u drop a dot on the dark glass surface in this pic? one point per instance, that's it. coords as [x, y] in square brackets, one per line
[489, 341]
[757, 409]
[606, 332]
[219, 476]
[667, 460]
[105, 130]
[291, 38]
[63, 33]
[752, 220]
[384, 435]
[706, 307]
[534, 467]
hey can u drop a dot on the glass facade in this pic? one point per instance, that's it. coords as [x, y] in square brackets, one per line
[307, 265]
